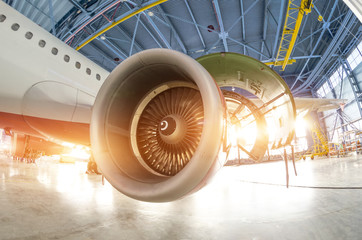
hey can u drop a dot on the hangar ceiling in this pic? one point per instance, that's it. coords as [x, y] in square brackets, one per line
[199, 27]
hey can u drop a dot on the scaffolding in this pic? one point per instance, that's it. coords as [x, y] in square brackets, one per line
[320, 145]
[348, 136]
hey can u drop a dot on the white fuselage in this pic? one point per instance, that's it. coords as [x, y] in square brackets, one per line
[51, 81]
[47, 89]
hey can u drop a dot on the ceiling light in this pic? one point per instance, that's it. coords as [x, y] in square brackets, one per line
[150, 13]
[103, 37]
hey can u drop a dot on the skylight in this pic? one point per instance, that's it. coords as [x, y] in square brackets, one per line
[355, 57]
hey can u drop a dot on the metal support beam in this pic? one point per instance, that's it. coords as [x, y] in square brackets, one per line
[147, 28]
[223, 35]
[111, 46]
[248, 47]
[324, 22]
[339, 110]
[77, 5]
[271, 61]
[316, 44]
[242, 23]
[324, 26]
[159, 33]
[197, 28]
[108, 43]
[122, 18]
[279, 27]
[51, 13]
[348, 21]
[243, 14]
[354, 84]
[129, 37]
[177, 36]
[105, 57]
[134, 36]
[82, 23]
[265, 27]
[35, 15]
[151, 34]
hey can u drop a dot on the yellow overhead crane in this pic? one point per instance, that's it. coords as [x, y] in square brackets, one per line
[115, 23]
[293, 20]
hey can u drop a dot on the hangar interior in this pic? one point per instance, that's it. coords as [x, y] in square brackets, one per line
[316, 48]
[323, 60]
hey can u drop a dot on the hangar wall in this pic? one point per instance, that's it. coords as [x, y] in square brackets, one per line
[350, 112]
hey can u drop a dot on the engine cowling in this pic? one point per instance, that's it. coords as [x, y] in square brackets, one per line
[233, 70]
[157, 126]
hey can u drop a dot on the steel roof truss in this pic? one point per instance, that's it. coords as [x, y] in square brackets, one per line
[195, 24]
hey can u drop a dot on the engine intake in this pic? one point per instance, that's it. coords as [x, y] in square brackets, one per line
[157, 126]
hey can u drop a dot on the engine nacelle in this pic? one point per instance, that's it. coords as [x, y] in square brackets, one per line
[157, 126]
[233, 70]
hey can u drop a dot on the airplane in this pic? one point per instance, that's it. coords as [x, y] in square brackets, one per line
[160, 125]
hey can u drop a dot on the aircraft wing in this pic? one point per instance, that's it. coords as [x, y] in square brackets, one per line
[305, 105]
[318, 104]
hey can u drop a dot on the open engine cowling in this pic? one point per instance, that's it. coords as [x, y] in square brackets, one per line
[157, 126]
[243, 72]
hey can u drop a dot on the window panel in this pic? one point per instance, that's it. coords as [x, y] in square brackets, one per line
[326, 88]
[355, 57]
[320, 92]
[337, 76]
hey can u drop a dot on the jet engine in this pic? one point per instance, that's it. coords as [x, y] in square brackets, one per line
[157, 126]
[159, 122]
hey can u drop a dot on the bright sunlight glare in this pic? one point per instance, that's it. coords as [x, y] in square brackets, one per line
[78, 152]
[300, 127]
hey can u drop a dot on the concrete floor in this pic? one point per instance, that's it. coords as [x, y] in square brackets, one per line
[59, 201]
